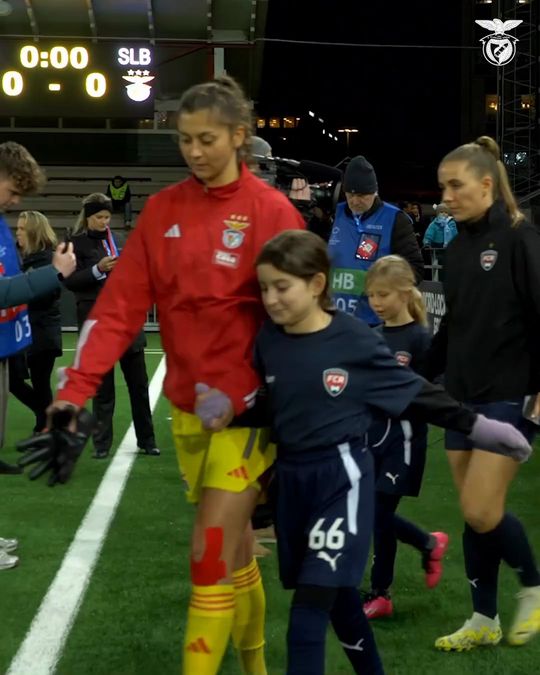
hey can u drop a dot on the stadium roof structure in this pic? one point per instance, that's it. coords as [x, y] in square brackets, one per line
[188, 25]
[221, 21]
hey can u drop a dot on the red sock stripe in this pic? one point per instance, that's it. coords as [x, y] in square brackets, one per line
[212, 596]
[213, 602]
[247, 580]
[216, 608]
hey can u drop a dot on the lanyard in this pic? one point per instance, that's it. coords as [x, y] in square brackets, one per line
[358, 223]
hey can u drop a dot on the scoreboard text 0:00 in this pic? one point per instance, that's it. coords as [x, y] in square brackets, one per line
[79, 80]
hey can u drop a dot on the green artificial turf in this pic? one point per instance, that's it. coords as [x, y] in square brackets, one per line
[132, 617]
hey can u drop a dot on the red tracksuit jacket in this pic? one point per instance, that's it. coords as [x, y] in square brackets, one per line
[192, 253]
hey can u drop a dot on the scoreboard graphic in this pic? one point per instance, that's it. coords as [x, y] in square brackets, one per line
[76, 80]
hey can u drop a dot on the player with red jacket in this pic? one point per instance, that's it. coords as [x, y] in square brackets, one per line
[192, 254]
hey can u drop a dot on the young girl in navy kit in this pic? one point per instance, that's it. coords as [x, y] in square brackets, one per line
[326, 373]
[398, 447]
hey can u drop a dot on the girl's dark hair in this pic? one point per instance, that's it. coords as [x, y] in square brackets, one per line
[226, 98]
[484, 158]
[301, 254]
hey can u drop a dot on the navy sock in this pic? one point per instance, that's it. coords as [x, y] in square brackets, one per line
[308, 622]
[482, 561]
[354, 632]
[516, 550]
[384, 542]
[411, 534]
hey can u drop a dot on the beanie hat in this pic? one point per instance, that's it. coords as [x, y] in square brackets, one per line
[441, 208]
[360, 177]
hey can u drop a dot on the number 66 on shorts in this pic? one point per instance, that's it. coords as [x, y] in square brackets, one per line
[324, 516]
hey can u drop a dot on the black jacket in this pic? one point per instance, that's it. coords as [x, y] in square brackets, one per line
[404, 242]
[89, 250]
[488, 341]
[44, 313]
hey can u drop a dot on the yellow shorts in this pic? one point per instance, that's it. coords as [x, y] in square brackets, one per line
[232, 459]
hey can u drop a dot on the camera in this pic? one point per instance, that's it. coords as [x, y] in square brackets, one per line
[306, 184]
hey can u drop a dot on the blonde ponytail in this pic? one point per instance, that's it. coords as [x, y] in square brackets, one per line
[417, 308]
[395, 272]
[484, 158]
[508, 196]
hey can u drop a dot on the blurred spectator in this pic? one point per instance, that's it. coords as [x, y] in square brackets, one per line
[442, 228]
[414, 211]
[36, 240]
[97, 256]
[119, 193]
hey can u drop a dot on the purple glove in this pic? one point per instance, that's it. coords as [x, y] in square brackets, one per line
[500, 437]
[213, 407]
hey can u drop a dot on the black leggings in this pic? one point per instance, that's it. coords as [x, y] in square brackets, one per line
[390, 528]
[37, 396]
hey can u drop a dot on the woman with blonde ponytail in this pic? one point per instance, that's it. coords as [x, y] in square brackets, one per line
[399, 446]
[488, 348]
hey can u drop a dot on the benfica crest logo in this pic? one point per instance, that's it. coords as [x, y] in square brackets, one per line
[498, 47]
[335, 380]
[233, 236]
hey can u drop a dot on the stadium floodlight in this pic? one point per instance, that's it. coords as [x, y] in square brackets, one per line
[5, 8]
[348, 132]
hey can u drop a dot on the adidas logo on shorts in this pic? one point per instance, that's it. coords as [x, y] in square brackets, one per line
[239, 472]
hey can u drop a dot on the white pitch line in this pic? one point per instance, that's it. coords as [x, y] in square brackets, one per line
[42, 646]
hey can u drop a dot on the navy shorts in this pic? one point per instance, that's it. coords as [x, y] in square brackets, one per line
[504, 411]
[324, 516]
[399, 453]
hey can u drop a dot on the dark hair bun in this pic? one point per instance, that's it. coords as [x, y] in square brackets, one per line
[227, 82]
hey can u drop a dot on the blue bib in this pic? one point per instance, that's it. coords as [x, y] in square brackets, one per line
[354, 246]
[15, 331]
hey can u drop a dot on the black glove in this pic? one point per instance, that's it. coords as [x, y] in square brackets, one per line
[57, 451]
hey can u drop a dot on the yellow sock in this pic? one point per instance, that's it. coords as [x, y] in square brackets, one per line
[248, 627]
[209, 624]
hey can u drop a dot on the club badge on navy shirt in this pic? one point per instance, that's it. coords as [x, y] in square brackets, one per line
[488, 259]
[403, 358]
[335, 380]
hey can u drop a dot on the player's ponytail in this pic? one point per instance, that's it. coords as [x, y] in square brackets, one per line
[301, 254]
[396, 274]
[484, 158]
[226, 98]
